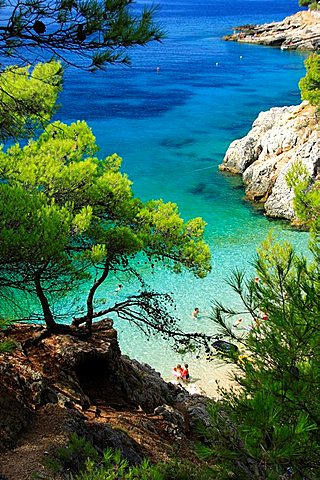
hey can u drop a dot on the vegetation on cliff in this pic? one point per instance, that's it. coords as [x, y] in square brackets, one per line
[310, 84]
[306, 187]
[312, 4]
[306, 197]
[84, 463]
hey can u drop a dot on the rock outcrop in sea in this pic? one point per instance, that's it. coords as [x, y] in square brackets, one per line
[297, 32]
[278, 138]
[53, 386]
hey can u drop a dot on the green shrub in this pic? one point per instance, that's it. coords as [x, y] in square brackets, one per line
[6, 345]
[114, 467]
[310, 84]
[185, 470]
[314, 6]
[73, 457]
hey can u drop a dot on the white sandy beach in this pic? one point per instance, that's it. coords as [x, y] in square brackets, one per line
[206, 377]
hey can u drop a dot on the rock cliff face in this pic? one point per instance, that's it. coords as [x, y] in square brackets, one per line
[52, 386]
[278, 138]
[297, 32]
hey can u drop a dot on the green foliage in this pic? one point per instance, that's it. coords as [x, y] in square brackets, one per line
[66, 214]
[310, 84]
[305, 3]
[312, 4]
[114, 467]
[28, 98]
[185, 470]
[6, 346]
[79, 460]
[306, 199]
[88, 33]
[270, 424]
[73, 457]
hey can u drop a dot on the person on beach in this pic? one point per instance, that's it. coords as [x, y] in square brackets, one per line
[195, 313]
[177, 372]
[185, 373]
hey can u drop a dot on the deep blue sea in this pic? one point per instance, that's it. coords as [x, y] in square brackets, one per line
[172, 128]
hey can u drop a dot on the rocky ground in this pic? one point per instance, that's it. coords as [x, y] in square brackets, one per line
[297, 32]
[278, 138]
[54, 386]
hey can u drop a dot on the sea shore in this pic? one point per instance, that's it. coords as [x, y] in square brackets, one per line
[296, 32]
[207, 377]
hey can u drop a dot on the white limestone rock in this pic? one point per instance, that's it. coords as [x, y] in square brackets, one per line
[278, 138]
[300, 31]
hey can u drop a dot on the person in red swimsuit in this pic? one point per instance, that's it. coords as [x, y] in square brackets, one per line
[185, 373]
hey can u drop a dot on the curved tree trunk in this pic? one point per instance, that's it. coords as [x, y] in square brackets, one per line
[47, 314]
[91, 295]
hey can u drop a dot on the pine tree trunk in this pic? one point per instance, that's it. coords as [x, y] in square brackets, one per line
[47, 314]
[91, 295]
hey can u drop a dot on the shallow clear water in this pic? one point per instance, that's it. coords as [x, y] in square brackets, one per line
[172, 129]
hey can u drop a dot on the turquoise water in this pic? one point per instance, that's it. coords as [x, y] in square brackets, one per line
[172, 129]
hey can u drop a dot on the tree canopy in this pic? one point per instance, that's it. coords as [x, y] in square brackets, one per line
[67, 216]
[87, 33]
[310, 84]
[312, 4]
[28, 98]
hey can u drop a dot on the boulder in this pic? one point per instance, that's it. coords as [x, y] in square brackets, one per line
[278, 138]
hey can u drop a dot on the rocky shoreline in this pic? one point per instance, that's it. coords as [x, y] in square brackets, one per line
[263, 157]
[297, 32]
[57, 385]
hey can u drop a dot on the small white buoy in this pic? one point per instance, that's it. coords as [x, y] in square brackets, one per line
[217, 64]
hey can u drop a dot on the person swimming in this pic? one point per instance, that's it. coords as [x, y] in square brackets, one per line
[195, 313]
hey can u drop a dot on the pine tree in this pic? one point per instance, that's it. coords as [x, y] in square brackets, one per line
[268, 427]
[66, 216]
[89, 34]
[28, 98]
